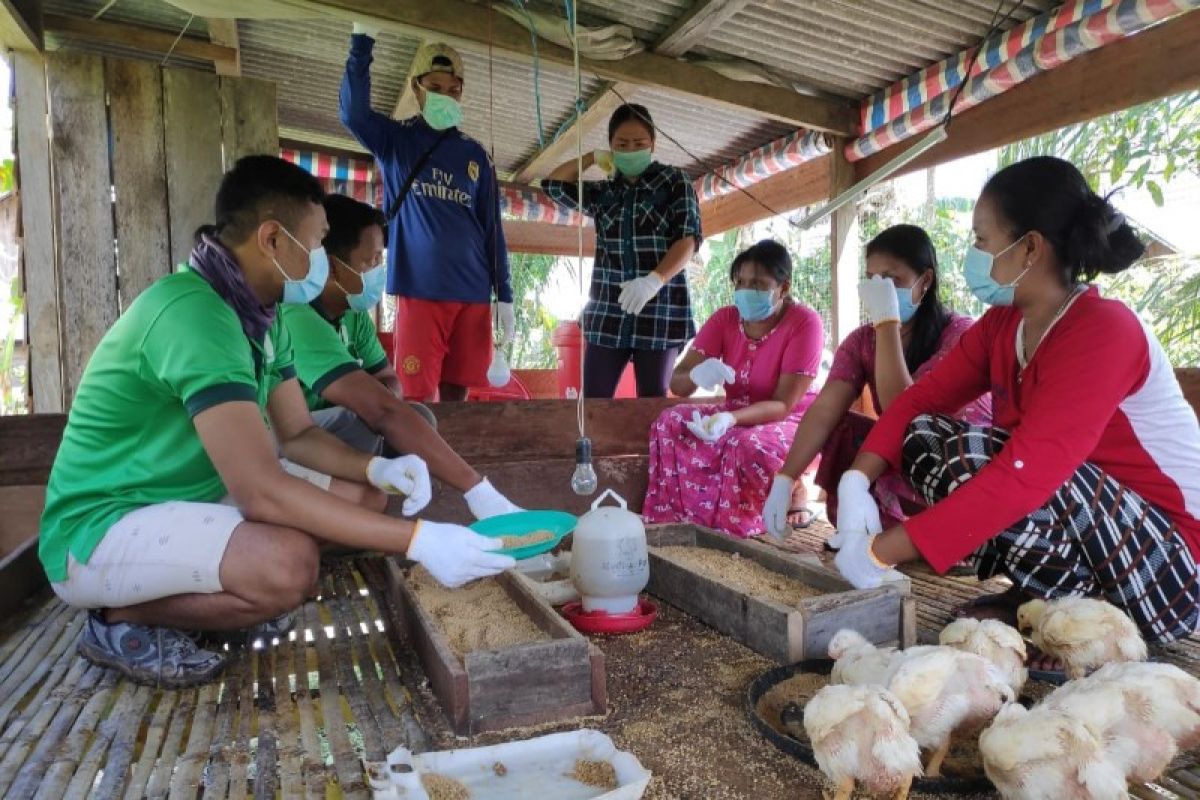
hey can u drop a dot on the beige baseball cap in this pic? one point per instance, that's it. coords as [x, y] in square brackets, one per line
[437, 57]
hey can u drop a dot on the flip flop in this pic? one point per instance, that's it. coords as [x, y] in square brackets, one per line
[799, 526]
[1054, 677]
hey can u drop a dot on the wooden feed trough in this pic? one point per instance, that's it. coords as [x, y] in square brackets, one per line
[785, 632]
[525, 684]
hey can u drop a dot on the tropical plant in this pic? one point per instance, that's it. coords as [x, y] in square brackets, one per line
[533, 346]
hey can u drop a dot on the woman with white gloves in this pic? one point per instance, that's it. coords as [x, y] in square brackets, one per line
[908, 333]
[712, 464]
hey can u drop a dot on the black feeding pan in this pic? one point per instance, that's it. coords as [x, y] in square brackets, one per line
[801, 749]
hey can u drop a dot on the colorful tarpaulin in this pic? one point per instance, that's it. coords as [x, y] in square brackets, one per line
[1124, 18]
[763, 162]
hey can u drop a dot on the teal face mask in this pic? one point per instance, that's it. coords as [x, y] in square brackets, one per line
[977, 269]
[312, 284]
[441, 111]
[633, 163]
[754, 305]
[373, 282]
[907, 307]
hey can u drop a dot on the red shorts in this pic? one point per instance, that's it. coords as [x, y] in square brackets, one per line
[439, 342]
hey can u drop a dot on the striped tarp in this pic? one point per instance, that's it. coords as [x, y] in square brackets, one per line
[354, 177]
[919, 88]
[1122, 19]
[763, 162]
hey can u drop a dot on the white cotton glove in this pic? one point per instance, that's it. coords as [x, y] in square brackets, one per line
[713, 427]
[484, 501]
[857, 511]
[508, 322]
[367, 29]
[635, 294]
[456, 555]
[879, 299]
[604, 160]
[711, 373]
[779, 504]
[859, 566]
[406, 475]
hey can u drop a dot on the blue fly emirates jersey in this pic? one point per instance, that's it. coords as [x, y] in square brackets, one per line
[446, 242]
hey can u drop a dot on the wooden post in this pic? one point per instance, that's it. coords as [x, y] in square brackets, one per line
[37, 237]
[249, 119]
[192, 123]
[843, 247]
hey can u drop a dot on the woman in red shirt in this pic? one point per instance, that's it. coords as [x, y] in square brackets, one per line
[1089, 483]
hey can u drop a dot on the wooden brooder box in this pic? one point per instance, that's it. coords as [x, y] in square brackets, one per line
[788, 634]
[526, 684]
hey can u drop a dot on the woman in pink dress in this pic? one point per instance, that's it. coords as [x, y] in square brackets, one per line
[910, 331]
[712, 464]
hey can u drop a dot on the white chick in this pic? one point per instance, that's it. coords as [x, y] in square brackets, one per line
[1044, 754]
[1000, 644]
[1173, 695]
[857, 662]
[944, 691]
[859, 735]
[1082, 633]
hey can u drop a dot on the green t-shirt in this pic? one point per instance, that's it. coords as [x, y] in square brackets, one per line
[129, 442]
[326, 349]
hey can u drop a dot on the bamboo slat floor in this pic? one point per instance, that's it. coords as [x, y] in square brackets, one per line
[297, 718]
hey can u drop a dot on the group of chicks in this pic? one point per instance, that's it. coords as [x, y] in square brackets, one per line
[1117, 719]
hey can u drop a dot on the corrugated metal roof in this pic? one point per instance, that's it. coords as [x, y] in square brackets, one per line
[146, 13]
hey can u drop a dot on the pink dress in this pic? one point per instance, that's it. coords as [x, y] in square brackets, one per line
[723, 485]
[854, 363]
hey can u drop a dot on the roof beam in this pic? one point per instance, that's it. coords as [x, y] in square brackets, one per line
[406, 104]
[137, 38]
[224, 31]
[794, 188]
[1157, 62]
[21, 24]
[546, 239]
[599, 109]
[457, 20]
[695, 24]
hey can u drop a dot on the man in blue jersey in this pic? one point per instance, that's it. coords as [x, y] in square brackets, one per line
[446, 249]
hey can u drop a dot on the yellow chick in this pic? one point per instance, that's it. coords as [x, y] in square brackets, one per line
[945, 691]
[1044, 754]
[860, 736]
[1082, 633]
[1000, 644]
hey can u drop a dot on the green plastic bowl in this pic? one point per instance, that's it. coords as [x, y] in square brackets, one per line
[559, 522]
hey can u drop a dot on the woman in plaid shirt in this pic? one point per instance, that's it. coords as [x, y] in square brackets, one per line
[647, 228]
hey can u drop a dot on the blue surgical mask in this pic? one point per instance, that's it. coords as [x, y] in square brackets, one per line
[754, 305]
[308, 288]
[632, 163]
[441, 111]
[907, 307]
[373, 282]
[977, 269]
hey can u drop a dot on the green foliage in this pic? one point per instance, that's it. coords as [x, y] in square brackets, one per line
[13, 397]
[1166, 293]
[532, 347]
[7, 179]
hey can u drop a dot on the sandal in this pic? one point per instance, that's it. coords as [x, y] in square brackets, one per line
[805, 522]
[1054, 677]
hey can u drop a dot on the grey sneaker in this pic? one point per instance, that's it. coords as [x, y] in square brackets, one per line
[277, 628]
[152, 656]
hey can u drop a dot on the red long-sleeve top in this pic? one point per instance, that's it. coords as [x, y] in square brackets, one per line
[1098, 389]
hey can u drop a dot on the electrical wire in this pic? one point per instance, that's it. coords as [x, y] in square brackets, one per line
[993, 28]
[572, 26]
[186, 25]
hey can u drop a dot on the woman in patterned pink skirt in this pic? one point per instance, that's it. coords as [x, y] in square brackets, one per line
[910, 330]
[712, 464]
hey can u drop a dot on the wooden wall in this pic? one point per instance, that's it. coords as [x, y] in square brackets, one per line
[116, 152]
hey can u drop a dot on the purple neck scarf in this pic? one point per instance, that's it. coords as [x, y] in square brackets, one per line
[217, 265]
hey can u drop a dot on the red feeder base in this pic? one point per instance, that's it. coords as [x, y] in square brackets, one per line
[603, 622]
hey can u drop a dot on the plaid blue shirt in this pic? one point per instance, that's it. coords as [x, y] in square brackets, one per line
[636, 224]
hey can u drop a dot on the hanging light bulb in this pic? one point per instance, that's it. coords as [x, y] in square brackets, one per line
[583, 480]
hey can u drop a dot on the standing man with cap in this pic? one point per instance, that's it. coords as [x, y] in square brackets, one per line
[446, 248]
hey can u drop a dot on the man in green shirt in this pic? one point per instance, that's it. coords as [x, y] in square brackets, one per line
[168, 509]
[351, 388]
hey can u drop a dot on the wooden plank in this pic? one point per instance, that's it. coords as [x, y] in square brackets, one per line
[529, 685]
[225, 32]
[21, 577]
[794, 188]
[1157, 62]
[547, 239]
[136, 37]
[599, 108]
[28, 445]
[266, 774]
[84, 225]
[193, 153]
[143, 241]
[691, 28]
[249, 118]
[21, 25]
[845, 249]
[546, 484]
[457, 20]
[37, 232]
[22, 511]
